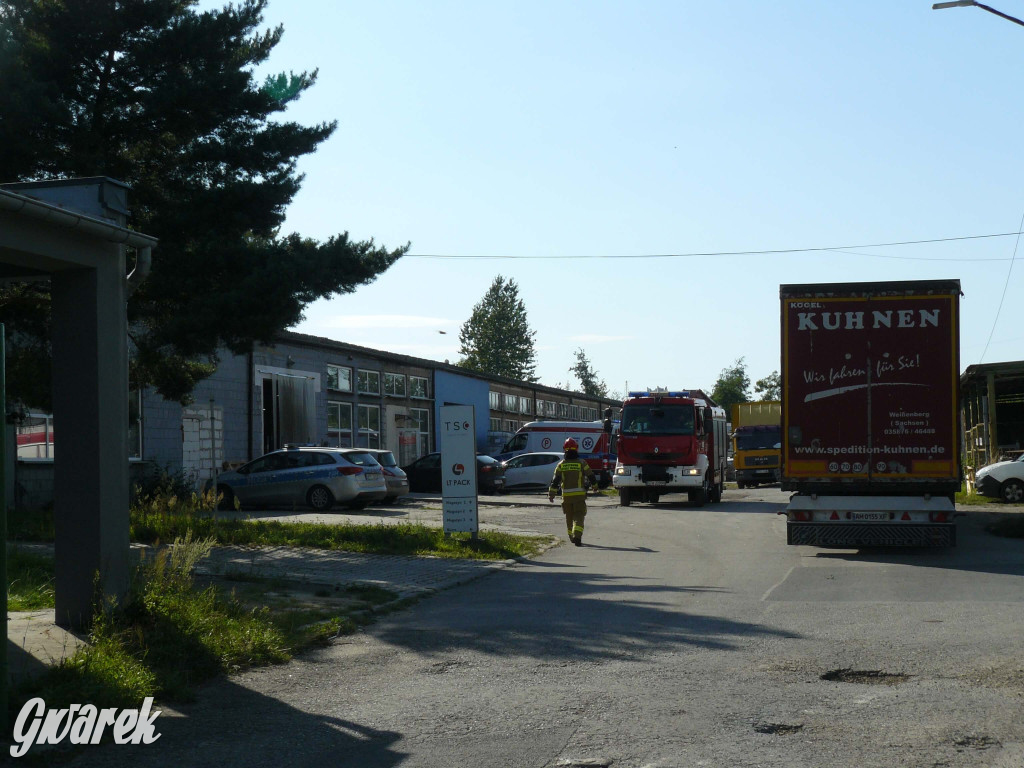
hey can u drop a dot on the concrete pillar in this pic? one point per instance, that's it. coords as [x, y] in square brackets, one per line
[90, 409]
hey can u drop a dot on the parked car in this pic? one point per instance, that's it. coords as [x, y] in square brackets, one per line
[530, 470]
[1003, 480]
[396, 479]
[425, 474]
[317, 477]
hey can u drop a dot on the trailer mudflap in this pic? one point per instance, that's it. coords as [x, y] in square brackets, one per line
[871, 534]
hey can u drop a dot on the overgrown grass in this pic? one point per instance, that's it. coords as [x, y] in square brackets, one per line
[163, 518]
[29, 581]
[166, 638]
[171, 635]
[973, 498]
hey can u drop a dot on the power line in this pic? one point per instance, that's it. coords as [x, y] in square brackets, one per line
[767, 252]
[1005, 286]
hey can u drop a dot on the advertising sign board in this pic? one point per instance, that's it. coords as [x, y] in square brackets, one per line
[458, 468]
[869, 386]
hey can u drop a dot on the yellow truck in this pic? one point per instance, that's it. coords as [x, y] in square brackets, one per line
[757, 442]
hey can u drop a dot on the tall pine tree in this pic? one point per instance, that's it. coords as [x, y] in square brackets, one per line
[163, 97]
[497, 338]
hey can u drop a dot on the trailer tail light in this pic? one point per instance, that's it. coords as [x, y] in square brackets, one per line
[937, 517]
[350, 470]
[906, 516]
[802, 516]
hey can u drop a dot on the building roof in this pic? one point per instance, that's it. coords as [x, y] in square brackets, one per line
[322, 342]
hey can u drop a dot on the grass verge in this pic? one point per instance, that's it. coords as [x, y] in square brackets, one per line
[173, 634]
[29, 581]
[165, 518]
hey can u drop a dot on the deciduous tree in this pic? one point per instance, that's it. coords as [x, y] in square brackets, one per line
[587, 376]
[769, 388]
[732, 386]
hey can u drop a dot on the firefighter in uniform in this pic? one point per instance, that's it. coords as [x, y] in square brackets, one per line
[573, 475]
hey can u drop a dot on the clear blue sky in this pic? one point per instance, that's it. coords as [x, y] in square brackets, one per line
[612, 130]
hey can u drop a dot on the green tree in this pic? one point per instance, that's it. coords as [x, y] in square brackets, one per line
[732, 386]
[163, 97]
[497, 338]
[769, 388]
[587, 376]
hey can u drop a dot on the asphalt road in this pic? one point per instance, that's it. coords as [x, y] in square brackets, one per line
[676, 636]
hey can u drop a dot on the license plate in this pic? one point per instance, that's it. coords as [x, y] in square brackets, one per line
[371, 475]
[655, 482]
[870, 516]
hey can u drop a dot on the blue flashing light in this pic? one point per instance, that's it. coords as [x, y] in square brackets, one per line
[684, 393]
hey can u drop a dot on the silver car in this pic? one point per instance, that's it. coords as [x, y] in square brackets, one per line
[397, 481]
[317, 477]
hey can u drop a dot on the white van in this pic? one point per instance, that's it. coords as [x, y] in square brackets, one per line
[595, 444]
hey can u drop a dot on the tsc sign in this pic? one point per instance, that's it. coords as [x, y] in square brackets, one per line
[458, 468]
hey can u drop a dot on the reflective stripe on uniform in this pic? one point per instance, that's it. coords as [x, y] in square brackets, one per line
[572, 474]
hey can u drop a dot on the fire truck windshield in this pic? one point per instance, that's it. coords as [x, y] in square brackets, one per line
[657, 420]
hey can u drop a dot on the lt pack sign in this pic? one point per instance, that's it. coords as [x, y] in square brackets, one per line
[458, 468]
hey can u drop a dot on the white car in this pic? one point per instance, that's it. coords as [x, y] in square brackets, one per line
[1003, 480]
[530, 470]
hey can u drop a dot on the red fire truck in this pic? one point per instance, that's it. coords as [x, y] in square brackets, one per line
[671, 442]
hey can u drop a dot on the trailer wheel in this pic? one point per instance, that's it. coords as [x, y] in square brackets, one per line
[625, 498]
[741, 486]
[1012, 491]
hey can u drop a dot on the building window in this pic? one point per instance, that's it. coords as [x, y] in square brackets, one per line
[421, 416]
[394, 384]
[512, 403]
[495, 425]
[339, 378]
[339, 424]
[511, 426]
[369, 426]
[563, 410]
[495, 401]
[369, 383]
[524, 405]
[574, 412]
[418, 386]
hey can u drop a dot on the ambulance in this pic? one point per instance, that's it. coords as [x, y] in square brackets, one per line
[596, 444]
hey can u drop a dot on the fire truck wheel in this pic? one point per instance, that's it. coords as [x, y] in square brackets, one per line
[716, 493]
[698, 498]
[625, 498]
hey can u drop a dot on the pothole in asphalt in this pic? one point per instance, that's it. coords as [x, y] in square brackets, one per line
[974, 741]
[865, 677]
[780, 729]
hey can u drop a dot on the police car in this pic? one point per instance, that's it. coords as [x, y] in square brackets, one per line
[314, 477]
